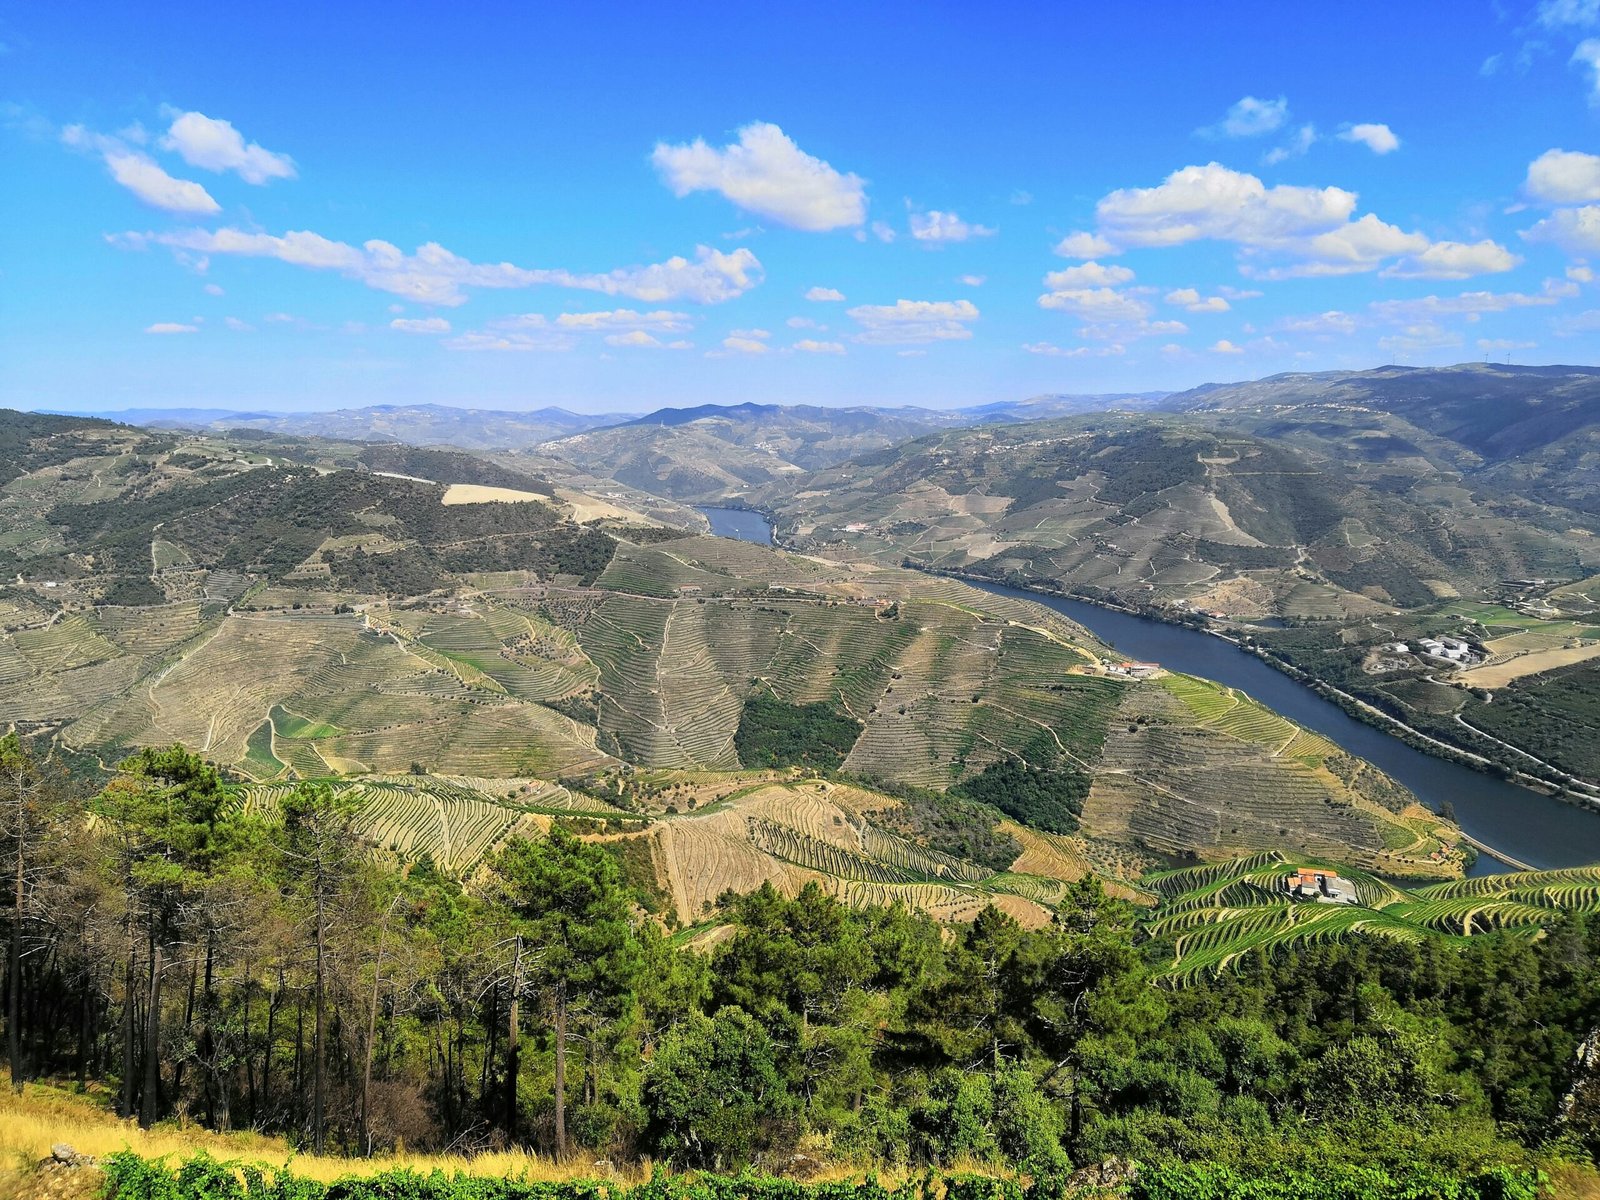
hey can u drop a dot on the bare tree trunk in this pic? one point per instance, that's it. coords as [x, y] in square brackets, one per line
[85, 1031]
[318, 1083]
[150, 1097]
[372, 1033]
[127, 1027]
[14, 962]
[512, 1038]
[561, 1073]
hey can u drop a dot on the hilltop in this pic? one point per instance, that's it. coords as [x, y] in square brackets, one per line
[294, 622]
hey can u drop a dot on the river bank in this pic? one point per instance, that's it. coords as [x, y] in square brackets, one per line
[1513, 825]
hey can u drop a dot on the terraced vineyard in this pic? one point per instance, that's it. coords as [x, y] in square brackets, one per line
[1215, 915]
[456, 821]
[293, 621]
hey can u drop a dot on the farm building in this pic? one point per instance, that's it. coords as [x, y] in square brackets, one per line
[1134, 670]
[1319, 884]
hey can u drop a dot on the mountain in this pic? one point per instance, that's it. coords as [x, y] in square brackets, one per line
[417, 424]
[1163, 509]
[1533, 431]
[717, 452]
[287, 621]
[1039, 408]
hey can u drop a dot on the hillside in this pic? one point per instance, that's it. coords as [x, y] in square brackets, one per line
[416, 424]
[294, 623]
[1529, 431]
[717, 452]
[1151, 510]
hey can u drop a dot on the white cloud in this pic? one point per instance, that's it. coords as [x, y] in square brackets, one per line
[744, 345]
[1101, 305]
[237, 325]
[763, 334]
[1089, 274]
[1502, 345]
[625, 318]
[141, 174]
[1314, 228]
[1127, 331]
[1575, 230]
[804, 323]
[936, 226]
[1564, 177]
[767, 174]
[1084, 245]
[1580, 274]
[822, 294]
[1584, 322]
[216, 145]
[810, 346]
[420, 325]
[1304, 138]
[1588, 55]
[1455, 260]
[1051, 350]
[1194, 302]
[171, 327]
[519, 335]
[1380, 139]
[1420, 337]
[1468, 304]
[634, 338]
[1250, 117]
[910, 322]
[1327, 323]
[1215, 202]
[1224, 346]
[883, 231]
[433, 275]
[213, 289]
[1553, 14]
[972, 280]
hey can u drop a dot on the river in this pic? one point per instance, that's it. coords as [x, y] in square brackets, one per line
[740, 523]
[1536, 829]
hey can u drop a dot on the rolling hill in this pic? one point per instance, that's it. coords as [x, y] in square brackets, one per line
[293, 623]
[1150, 510]
[415, 424]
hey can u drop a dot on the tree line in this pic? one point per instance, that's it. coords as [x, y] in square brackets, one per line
[183, 955]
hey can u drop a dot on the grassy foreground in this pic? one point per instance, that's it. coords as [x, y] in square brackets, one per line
[175, 1162]
[45, 1116]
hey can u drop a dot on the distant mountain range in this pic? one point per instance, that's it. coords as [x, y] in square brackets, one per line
[503, 429]
[415, 424]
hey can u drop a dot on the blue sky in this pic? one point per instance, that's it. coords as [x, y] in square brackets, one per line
[616, 207]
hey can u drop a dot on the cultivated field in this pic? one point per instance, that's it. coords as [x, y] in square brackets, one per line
[1214, 916]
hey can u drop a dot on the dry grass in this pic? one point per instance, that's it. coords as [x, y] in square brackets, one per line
[1500, 674]
[476, 493]
[44, 1116]
[1572, 1181]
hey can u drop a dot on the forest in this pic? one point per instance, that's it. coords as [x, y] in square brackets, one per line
[184, 955]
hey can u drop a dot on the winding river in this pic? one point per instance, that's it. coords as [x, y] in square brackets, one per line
[1526, 825]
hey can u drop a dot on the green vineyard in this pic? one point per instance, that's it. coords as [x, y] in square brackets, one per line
[1213, 916]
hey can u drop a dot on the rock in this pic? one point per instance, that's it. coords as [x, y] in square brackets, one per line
[63, 1153]
[1113, 1173]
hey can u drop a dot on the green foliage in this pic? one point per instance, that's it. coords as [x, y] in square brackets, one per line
[947, 823]
[1041, 788]
[774, 734]
[130, 1177]
[714, 1090]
